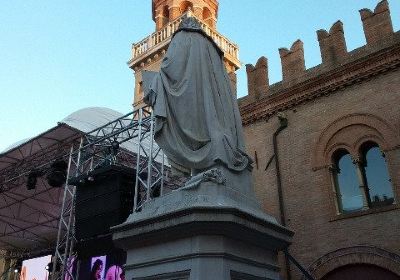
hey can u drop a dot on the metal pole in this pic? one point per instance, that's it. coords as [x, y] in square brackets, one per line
[162, 175]
[78, 265]
[306, 274]
[150, 158]
[71, 219]
[70, 238]
[67, 245]
[57, 253]
[138, 161]
[79, 158]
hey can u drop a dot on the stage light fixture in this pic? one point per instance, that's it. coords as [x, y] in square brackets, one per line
[57, 174]
[115, 147]
[32, 180]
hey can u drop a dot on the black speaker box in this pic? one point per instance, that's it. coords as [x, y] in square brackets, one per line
[104, 198]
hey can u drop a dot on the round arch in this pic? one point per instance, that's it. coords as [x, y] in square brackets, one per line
[366, 125]
[206, 13]
[184, 6]
[165, 11]
[360, 271]
[369, 256]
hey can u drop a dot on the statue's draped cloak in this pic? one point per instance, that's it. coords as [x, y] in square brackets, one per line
[198, 124]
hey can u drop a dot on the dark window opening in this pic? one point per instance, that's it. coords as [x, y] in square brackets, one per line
[379, 184]
[363, 183]
[347, 185]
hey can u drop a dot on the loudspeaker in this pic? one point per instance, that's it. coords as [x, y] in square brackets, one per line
[104, 198]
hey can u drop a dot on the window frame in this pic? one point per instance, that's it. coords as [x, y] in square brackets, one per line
[358, 155]
[363, 149]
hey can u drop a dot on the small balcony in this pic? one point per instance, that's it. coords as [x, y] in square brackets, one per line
[161, 38]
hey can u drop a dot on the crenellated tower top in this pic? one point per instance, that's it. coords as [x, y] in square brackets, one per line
[166, 11]
[339, 68]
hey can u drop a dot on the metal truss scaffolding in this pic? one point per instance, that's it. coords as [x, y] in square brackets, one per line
[126, 141]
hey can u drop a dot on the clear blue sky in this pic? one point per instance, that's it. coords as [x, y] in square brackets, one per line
[59, 56]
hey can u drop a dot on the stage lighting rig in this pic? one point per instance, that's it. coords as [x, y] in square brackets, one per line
[32, 179]
[57, 174]
[114, 147]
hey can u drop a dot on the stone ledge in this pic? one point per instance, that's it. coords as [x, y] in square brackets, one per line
[210, 209]
[228, 222]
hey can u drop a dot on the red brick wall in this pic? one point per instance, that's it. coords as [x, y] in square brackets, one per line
[356, 99]
[307, 194]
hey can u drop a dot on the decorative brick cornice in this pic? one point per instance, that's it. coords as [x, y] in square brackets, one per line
[321, 83]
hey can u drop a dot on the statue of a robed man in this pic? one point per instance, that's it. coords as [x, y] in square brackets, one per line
[198, 124]
[212, 227]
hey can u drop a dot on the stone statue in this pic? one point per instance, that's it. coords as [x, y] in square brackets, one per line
[212, 227]
[198, 124]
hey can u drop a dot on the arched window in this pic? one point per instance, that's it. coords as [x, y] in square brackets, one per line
[185, 5]
[348, 191]
[376, 175]
[207, 16]
[165, 15]
[165, 12]
[206, 13]
[361, 184]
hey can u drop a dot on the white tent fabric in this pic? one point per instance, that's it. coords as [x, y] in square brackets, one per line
[88, 119]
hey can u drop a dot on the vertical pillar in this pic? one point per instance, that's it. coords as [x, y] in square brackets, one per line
[159, 22]
[214, 22]
[233, 79]
[174, 12]
[363, 184]
[198, 11]
[335, 188]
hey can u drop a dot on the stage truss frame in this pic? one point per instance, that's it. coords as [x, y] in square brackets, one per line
[105, 146]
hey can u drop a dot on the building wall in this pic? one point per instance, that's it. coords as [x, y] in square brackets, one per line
[308, 197]
[151, 65]
[353, 110]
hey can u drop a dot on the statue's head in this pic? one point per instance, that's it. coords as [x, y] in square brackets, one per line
[190, 23]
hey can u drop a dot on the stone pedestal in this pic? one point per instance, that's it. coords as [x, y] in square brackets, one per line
[210, 232]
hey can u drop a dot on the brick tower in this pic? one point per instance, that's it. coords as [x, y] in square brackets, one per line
[167, 15]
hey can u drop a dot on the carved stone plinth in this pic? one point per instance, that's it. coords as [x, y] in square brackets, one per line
[209, 232]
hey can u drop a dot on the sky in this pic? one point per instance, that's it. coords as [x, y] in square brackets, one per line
[57, 57]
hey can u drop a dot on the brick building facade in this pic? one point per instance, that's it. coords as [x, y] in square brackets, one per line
[302, 130]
